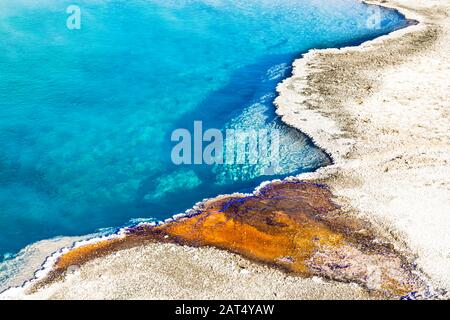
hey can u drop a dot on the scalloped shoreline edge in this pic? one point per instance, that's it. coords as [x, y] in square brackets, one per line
[48, 265]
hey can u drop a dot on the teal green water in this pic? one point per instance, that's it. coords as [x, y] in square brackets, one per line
[86, 115]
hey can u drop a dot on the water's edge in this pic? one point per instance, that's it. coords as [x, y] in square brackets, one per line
[120, 232]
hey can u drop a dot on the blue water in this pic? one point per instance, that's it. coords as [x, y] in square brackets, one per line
[86, 115]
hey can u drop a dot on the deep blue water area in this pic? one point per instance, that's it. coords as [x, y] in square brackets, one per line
[86, 115]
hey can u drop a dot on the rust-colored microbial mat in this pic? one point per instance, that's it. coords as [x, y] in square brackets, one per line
[291, 225]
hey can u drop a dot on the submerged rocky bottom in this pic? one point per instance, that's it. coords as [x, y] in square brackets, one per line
[292, 225]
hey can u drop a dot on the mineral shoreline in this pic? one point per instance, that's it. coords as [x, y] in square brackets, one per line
[382, 111]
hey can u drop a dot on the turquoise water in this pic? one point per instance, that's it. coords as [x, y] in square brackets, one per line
[86, 115]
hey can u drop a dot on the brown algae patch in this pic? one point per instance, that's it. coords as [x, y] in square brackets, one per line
[294, 226]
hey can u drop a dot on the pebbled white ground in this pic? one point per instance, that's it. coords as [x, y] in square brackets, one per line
[384, 118]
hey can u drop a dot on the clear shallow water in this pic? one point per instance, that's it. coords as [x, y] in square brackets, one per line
[86, 115]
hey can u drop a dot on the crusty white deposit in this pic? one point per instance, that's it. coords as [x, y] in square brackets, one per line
[382, 111]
